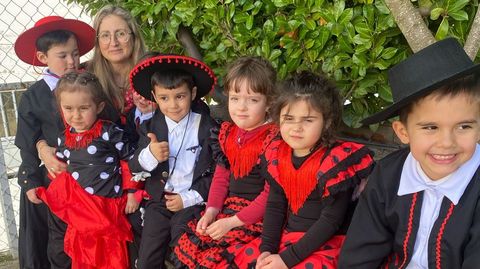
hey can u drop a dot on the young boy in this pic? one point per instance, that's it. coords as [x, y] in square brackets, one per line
[57, 43]
[174, 147]
[420, 207]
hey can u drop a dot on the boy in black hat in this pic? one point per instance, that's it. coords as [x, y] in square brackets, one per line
[174, 148]
[420, 207]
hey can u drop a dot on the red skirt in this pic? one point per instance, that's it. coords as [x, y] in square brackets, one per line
[97, 228]
[324, 258]
[197, 251]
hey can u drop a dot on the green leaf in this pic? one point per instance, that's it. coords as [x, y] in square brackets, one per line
[442, 29]
[459, 15]
[436, 12]
[384, 92]
[388, 53]
[456, 5]
[266, 47]
[310, 24]
[363, 29]
[249, 23]
[346, 16]
[275, 54]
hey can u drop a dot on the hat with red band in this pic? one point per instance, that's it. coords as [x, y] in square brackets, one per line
[141, 74]
[25, 45]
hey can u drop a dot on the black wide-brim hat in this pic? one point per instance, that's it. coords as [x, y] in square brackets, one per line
[203, 77]
[25, 45]
[430, 68]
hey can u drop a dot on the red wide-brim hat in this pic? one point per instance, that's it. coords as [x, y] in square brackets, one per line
[25, 45]
[140, 76]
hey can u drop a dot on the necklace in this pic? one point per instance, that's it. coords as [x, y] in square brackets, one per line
[181, 145]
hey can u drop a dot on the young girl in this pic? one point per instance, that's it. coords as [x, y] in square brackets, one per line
[238, 193]
[312, 178]
[88, 197]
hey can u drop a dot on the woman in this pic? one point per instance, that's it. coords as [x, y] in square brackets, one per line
[118, 47]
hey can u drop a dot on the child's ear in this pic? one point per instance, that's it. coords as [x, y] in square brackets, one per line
[401, 131]
[194, 92]
[42, 57]
[100, 107]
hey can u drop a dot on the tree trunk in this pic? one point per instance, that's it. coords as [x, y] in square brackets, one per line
[411, 24]
[472, 45]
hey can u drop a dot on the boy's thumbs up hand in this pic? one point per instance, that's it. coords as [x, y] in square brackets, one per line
[158, 149]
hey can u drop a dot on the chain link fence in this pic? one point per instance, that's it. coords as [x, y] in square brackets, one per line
[15, 76]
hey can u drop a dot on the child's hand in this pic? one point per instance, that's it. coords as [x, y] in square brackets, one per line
[47, 155]
[220, 227]
[174, 202]
[261, 259]
[158, 149]
[132, 204]
[32, 196]
[206, 219]
[272, 261]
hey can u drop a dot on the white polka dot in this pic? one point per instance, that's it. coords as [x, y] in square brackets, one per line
[104, 175]
[89, 190]
[116, 188]
[75, 175]
[66, 153]
[105, 136]
[119, 145]
[92, 149]
[109, 160]
[60, 155]
[59, 141]
[90, 164]
[68, 161]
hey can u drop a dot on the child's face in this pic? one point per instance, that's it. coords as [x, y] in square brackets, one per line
[143, 105]
[116, 51]
[247, 108]
[61, 58]
[174, 103]
[442, 133]
[79, 109]
[301, 127]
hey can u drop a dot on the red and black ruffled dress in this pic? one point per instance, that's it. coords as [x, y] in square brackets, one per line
[309, 198]
[88, 197]
[238, 188]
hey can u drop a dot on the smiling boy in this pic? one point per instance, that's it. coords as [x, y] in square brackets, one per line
[420, 207]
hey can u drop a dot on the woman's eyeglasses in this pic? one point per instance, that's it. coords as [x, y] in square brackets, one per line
[121, 35]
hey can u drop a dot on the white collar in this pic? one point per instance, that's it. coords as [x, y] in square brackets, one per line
[143, 117]
[50, 78]
[172, 125]
[413, 179]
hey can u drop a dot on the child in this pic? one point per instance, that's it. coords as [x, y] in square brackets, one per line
[420, 206]
[57, 43]
[312, 178]
[174, 148]
[88, 197]
[238, 194]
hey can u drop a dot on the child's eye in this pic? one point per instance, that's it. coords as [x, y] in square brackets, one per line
[233, 98]
[465, 126]
[163, 98]
[180, 97]
[254, 100]
[309, 120]
[429, 128]
[287, 118]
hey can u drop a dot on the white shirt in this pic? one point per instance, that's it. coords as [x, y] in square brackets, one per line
[50, 78]
[143, 117]
[414, 179]
[181, 179]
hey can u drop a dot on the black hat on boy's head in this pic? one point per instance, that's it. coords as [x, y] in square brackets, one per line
[140, 76]
[431, 68]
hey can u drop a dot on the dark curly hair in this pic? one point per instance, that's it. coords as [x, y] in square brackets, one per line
[319, 92]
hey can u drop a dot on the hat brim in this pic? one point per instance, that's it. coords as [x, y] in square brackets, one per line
[393, 110]
[25, 45]
[141, 74]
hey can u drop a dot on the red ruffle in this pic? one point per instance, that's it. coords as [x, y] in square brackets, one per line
[97, 226]
[341, 165]
[81, 140]
[324, 258]
[243, 157]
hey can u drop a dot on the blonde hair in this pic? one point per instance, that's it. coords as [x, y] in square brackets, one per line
[102, 68]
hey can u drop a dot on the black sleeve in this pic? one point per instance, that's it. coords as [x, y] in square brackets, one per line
[331, 217]
[368, 250]
[28, 133]
[143, 142]
[274, 219]
[471, 254]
